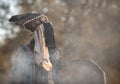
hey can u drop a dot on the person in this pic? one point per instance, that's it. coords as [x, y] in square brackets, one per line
[24, 67]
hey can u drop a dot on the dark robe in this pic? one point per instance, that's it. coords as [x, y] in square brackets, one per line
[24, 68]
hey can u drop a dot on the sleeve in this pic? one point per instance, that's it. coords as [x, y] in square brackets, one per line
[49, 35]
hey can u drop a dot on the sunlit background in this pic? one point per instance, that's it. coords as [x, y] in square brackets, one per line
[83, 29]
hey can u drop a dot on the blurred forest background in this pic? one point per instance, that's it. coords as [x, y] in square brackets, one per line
[83, 29]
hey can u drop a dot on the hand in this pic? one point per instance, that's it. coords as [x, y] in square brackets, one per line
[44, 18]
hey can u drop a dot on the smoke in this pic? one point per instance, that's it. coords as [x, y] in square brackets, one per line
[22, 63]
[24, 68]
[81, 72]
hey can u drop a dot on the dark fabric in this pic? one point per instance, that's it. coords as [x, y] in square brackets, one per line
[23, 18]
[20, 19]
[53, 51]
[49, 36]
[32, 44]
[32, 25]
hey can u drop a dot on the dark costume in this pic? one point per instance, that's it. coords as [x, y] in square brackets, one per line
[34, 74]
